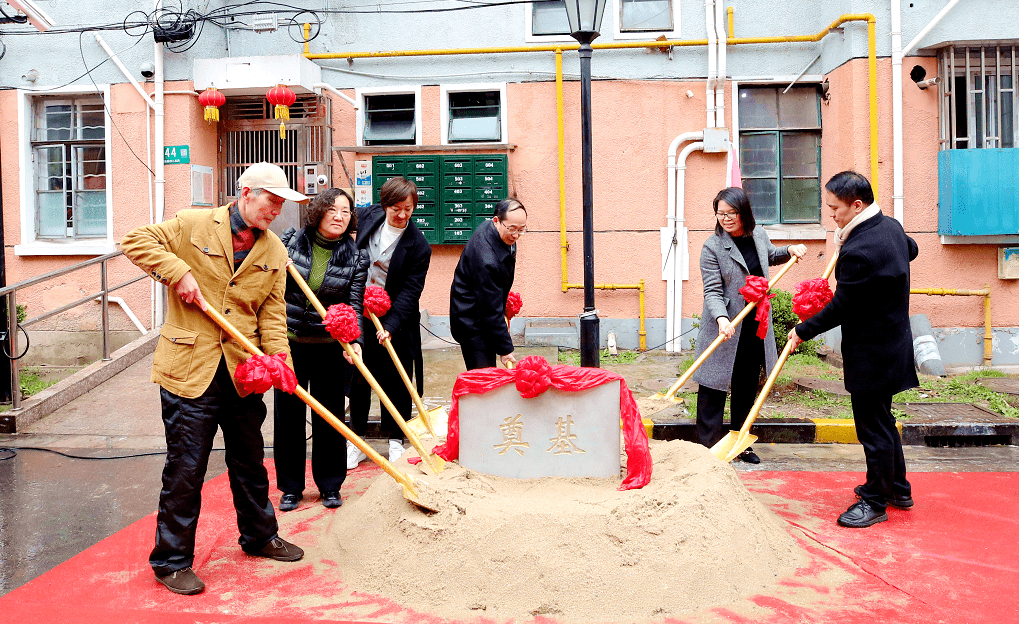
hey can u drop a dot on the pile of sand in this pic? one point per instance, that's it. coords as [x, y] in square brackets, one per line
[575, 549]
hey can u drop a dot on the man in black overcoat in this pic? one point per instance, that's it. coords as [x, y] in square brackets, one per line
[399, 257]
[871, 303]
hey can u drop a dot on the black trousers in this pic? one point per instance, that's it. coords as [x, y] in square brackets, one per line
[381, 366]
[321, 370]
[191, 425]
[746, 374]
[882, 446]
[477, 354]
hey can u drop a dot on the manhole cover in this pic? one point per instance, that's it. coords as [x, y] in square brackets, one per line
[824, 385]
[961, 411]
[1007, 385]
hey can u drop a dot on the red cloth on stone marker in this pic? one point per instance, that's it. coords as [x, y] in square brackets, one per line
[260, 372]
[756, 291]
[376, 300]
[341, 323]
[533, 376]
[811, 297]
[513, 304]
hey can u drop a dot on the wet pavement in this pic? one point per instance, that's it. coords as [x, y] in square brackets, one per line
[53, 506]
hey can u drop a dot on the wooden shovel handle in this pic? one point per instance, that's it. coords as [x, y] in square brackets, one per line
[426, 457]
[685, 377]
[404, 376]
[320, 409]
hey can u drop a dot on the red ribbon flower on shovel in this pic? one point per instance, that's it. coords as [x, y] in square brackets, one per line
[513, 304]
[341, 323]
[811, 297]
[756, 291]
[260, 372]
[376, 300]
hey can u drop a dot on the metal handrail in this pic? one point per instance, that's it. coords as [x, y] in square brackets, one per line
[10, 292]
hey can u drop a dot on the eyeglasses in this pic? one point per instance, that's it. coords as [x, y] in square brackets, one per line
[519, 230]
[727, 216]
[334, 211]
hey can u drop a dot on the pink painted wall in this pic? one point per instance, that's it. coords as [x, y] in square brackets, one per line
[634, 123]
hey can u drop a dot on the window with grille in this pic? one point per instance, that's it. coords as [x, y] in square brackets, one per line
[978, 103]
[69, 152]
[780, 152]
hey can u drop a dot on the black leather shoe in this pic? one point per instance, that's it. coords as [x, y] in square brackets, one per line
[749, 456]
[897, 500]
[184, 582]
[331, 499]
[288, 502]
[860, 515]
[280, 550]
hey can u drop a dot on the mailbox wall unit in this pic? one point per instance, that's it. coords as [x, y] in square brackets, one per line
[455, 193]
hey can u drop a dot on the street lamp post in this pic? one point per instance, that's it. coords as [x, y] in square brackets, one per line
[585, 18]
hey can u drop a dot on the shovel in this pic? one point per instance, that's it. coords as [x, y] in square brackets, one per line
[735, 442]
[685, 377]
[428, 417]
[409, 492]
[434, 463]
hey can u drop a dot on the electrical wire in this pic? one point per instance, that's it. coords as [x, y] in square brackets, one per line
[3, 345]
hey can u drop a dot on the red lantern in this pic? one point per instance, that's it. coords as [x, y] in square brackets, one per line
[211, 99]
[282, 98]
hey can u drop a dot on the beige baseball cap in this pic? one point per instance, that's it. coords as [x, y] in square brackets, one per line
[270, 177]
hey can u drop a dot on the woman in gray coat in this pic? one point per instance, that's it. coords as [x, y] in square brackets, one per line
[737, 249]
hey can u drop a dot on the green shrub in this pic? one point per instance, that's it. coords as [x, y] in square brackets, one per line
[785, 319]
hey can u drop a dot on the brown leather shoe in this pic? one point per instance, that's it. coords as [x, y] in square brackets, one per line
[184, 582]
[280, 550]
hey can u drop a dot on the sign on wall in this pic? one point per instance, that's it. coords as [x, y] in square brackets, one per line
[176, 155]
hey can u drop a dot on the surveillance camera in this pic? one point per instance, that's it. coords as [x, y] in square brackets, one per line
[148, 70]
[322, 180]
[35, 15]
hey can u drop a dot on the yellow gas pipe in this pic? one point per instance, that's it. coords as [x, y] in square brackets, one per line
[558, 50]
[983, 292]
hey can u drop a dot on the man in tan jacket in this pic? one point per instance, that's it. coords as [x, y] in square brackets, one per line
[225, 257]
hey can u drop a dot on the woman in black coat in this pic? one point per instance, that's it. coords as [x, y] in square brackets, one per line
[481, 283]
[335, 269]
[398, 257]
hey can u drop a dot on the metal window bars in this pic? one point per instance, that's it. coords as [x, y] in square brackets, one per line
[977, 102]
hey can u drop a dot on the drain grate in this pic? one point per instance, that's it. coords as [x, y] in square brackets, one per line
[1006, 385]
[963, 411]
[967, 440]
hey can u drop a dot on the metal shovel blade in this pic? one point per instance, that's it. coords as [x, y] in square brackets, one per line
[661, 396]
[729, 447]
[439, 419]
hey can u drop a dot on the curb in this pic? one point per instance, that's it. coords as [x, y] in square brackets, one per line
[70, 388]
[843, 431]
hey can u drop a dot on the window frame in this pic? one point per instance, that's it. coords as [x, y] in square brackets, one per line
[954, 61]
[445, 90]
[31, 244]
[801, 230]
[619, 33]
[359, 96]
[529, 35]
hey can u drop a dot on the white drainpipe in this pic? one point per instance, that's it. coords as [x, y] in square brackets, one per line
[709, 20]
[328, 87]
[158, 291]
[721, 35]
[677, 250]
[898, 53]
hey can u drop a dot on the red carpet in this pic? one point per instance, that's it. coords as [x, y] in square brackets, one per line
[951, 558]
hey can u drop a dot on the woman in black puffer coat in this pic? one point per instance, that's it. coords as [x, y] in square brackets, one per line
[326, 256]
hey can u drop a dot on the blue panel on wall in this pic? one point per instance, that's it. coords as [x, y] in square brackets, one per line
[978, 192]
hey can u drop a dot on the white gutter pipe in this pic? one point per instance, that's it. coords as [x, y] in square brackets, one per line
[898, 53]
[159, 292]
[127, 74]
[709, 86]
[676, 248]
[721, 36]
[336, 92]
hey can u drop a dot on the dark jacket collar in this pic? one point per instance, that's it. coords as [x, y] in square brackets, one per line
[491, 236]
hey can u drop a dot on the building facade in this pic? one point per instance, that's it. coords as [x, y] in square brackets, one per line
[101, 130]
